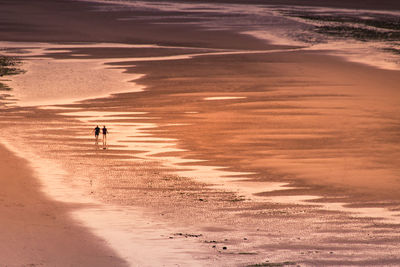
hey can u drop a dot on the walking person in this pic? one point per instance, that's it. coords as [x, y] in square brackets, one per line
[105, 132]
[96, 134]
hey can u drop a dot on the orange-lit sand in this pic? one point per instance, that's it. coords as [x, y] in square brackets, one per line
[279, 156]
[39, 231]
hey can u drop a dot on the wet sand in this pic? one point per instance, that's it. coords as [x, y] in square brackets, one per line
[357, 4]
[325, 122]
[263, 114]
[37, 231]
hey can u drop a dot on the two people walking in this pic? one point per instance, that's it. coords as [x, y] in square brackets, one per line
[97, 133]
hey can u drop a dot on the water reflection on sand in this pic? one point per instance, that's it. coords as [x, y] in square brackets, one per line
[130, 133]
[138, 137]
[267, 113]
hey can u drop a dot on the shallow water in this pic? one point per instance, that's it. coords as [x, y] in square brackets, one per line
[49, 75]
[130, 135]
[256, 142]
[367, 36]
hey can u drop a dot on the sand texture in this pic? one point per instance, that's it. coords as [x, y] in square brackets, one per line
[223, 149]
[37, 231]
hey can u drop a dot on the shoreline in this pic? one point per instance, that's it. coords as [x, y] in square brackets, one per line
[40, 231]
[133, 234]
[161, 180]
[369, 4]
[175, 97]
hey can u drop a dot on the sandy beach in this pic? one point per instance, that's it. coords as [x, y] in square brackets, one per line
[223, 150]
[38, 231]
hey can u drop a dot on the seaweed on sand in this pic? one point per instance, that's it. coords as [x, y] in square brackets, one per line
[273, 264]
[364, 28]
[8, 66]
[359, 33]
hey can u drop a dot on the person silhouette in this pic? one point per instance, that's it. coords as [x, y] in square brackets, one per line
[96, 131]
[105, 132]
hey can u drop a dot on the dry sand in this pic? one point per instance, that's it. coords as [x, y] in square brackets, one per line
[37, 231]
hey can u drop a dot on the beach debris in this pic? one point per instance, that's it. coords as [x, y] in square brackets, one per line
[224, 248]
[247, 253]
[272, 264]
[8, 67]
[237, 199]
[188, 235]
